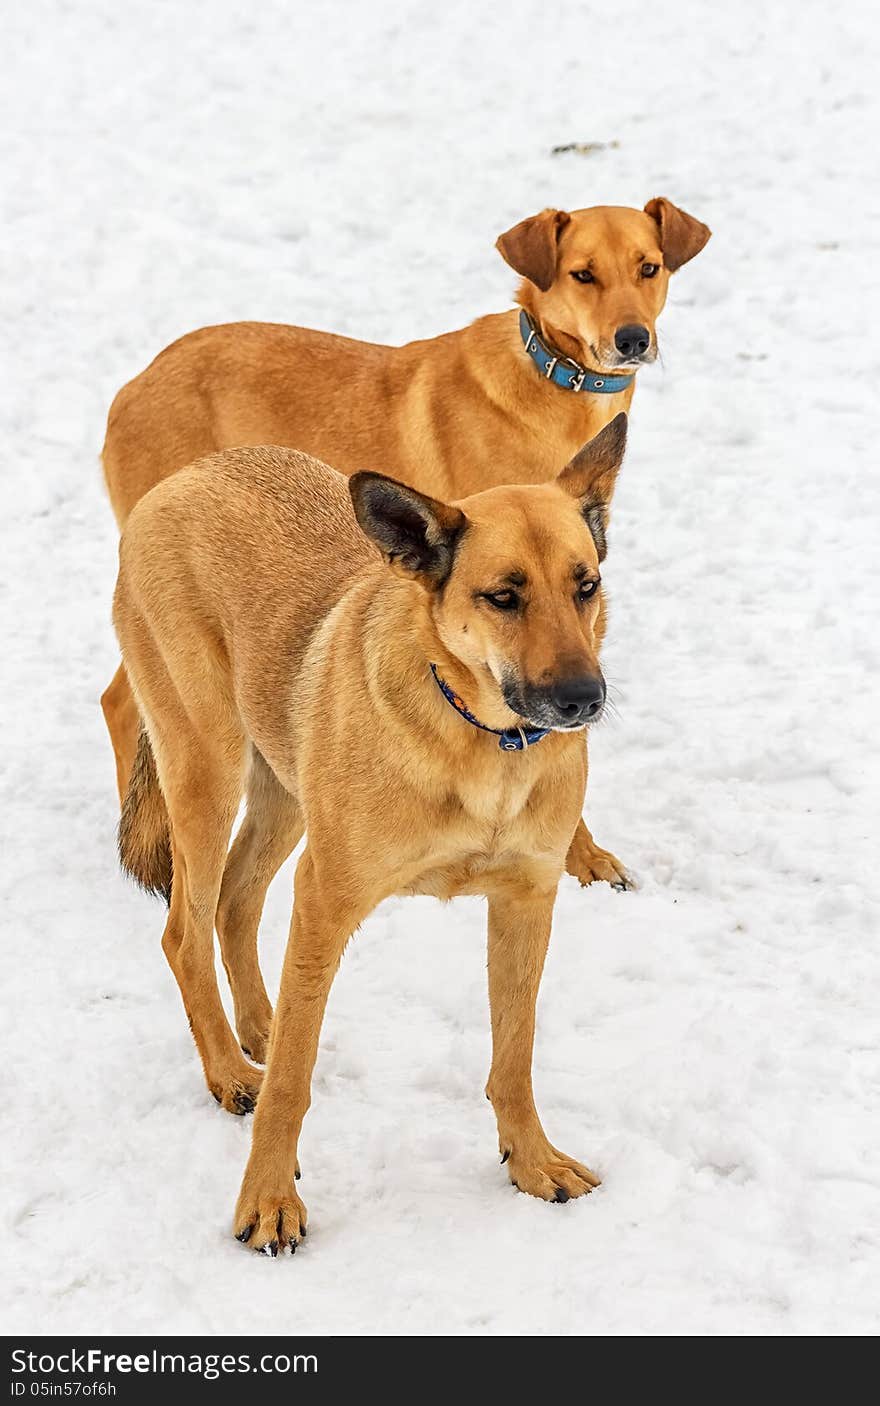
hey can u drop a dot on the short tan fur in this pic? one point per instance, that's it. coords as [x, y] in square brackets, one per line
[277, 622]
[450, 415]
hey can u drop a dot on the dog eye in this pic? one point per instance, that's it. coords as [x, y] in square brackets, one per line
[648, 270]
[583, 276]
[586, 589]
[503, 600]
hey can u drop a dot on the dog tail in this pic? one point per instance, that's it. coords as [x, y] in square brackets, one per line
[144, 826]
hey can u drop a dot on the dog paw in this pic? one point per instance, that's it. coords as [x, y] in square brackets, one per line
[550, 1175]
[254, 1041]
[253, 1020]
[593, 865]
[238, 1093]
[269, 1223]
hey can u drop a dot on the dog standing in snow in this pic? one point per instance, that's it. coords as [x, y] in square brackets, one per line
[506, 400]
[343, 650]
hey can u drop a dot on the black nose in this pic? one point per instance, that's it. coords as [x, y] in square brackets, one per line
[577, 700]
[632, 340]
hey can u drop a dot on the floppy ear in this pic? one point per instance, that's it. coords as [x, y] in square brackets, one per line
[531, 246]
[591, 477]
[681, 236]
[415, 533]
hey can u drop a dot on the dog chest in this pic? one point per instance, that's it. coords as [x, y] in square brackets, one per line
[478, 836]
[494, 803]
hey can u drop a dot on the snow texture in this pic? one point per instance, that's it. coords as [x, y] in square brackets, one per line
[708, 1043]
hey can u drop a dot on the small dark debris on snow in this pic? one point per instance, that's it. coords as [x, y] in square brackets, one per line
[584, 148]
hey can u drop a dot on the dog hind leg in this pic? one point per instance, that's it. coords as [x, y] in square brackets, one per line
[200, 763]
[123, 723]
[271, 830]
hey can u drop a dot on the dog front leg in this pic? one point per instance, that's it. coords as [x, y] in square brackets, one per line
[270, 1215]
[590, 864]
[586, 860]
[519, 931]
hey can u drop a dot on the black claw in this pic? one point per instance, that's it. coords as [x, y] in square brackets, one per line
[297, 1174]
[216, 1097]
[293, 1247]
[622, 887]
[505, 1157]
[561, 1195]
[271, 1249]
[303, 1233]
[246, 1051]
[245, 1235]
[244, 1102]
[516, 1184]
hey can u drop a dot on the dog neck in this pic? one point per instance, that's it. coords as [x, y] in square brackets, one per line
[557, 421]
[563, 371]
[562, 343]
[510, 739]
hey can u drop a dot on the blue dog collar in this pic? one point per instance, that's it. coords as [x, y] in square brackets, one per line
[511, 739]
[561, 370]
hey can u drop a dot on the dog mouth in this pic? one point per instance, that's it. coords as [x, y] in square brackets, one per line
[611, 360]
[540, 716]
[559, 726]
[516, 705]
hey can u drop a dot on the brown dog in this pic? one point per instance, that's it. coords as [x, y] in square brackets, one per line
[272, 650]
[450, 416]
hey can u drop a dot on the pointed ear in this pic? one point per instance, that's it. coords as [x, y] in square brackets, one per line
[531, 246]
[416, 534]
[681, 236]
[591, 477]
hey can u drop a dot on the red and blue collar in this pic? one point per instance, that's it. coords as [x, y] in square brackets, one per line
[510, 739]
[561, 370]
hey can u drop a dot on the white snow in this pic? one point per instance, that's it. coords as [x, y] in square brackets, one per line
[708, 1043]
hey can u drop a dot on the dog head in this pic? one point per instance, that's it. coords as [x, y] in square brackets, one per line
[596, 280]
[512, 582]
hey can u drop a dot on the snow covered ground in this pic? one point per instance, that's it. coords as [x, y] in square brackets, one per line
[708, 1043]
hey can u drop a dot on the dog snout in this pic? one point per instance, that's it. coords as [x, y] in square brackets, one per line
[632, 340]
[578, 700]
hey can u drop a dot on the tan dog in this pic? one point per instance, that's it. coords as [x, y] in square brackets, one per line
[450, 416]
[272, 650]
